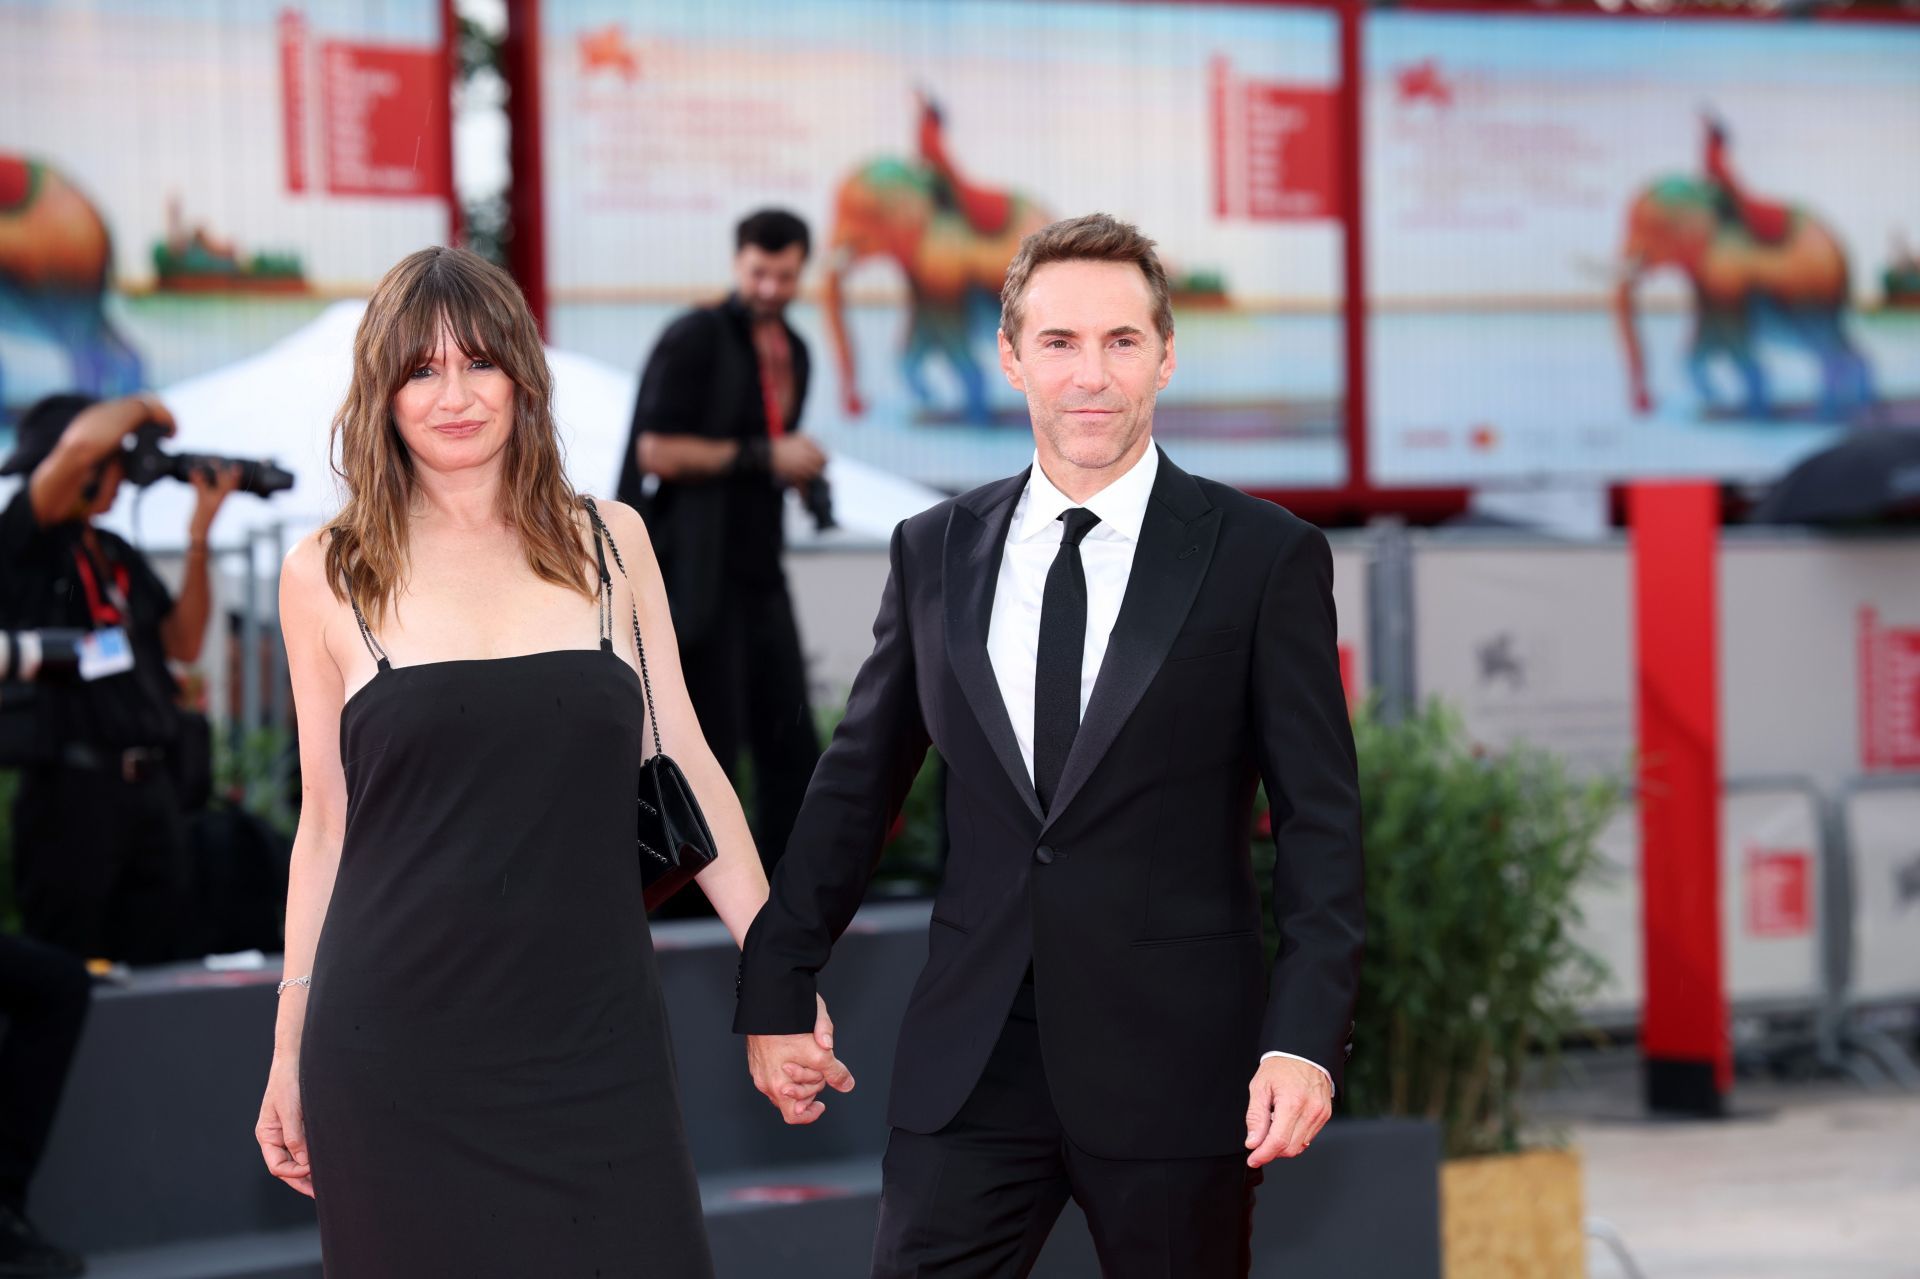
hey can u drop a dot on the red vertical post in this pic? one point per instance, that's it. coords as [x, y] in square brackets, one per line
[1685, 1035]
[526, 201]
[450, 67]
[1349, 151]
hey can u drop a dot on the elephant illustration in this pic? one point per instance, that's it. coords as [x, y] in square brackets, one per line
[952, 240]
[1759, 272]
[56, 259]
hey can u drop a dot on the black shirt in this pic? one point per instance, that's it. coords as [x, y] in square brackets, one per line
[703, 379]
[42, 584]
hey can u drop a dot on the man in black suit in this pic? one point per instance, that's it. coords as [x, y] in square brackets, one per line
[1108, 654]
[717, 421]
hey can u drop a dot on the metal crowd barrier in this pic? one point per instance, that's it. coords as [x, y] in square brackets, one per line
[1875, 821]
[1776, 919]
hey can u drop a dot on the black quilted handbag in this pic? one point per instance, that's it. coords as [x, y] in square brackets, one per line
[673, 839]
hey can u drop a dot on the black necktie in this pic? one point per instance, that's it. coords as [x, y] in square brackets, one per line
[1063, 646]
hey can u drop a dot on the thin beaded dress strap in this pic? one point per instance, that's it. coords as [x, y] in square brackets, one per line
[366, 633]
[606, 582]
[600, 530]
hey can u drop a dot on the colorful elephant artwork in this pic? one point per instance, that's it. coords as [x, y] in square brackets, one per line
[953, 241]
[56, 259]
[1761, 272]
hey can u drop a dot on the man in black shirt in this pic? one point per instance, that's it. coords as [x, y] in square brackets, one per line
[100, 853]
[44, 994]
[717, 421]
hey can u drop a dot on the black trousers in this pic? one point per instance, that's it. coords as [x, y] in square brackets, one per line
[747, 679]
[43, 998]
[102, 864]
[978, 1198]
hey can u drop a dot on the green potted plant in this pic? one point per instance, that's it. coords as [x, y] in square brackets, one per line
[1472, 975]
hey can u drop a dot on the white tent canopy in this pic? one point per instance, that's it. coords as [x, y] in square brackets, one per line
[278, 405]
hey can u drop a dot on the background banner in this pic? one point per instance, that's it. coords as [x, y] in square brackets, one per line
[1622, 248]
[182, 184]
[921, 142]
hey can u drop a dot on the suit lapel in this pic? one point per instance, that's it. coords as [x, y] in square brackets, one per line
[1176, 547]
[976, 537]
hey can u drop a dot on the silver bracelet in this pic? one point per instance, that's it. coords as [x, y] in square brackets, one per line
[281, 989]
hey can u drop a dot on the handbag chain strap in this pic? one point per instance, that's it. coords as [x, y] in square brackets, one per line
[600, 530]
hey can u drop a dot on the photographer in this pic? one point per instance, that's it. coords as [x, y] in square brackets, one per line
[717, 421]
[100, 853]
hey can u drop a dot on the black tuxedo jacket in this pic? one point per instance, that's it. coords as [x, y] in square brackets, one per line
[1134, 898]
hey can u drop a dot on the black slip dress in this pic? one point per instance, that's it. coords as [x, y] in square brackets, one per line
[486, 1073]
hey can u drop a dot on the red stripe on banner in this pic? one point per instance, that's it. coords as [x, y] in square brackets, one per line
[1219, 73]
[1675, 528]
[1868, 622]
[293, 97]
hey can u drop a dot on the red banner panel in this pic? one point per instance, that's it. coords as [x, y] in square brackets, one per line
[1273, 147]
[1889, 695]
[383, 120]
[1779, 900]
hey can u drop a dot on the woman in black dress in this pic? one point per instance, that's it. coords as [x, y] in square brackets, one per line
[475, 1079]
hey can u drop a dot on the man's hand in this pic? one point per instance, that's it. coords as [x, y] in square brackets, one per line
[790, 1070]
[59, 483]
[210, 489]
[1288, 1102]
[797, 459]
[96, 431]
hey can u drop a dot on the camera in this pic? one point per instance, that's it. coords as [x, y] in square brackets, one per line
[51, 655]
[145, 461]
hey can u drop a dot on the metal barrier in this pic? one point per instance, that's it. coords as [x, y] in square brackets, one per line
[1775, 861]
[1876, 822]
[246, 587]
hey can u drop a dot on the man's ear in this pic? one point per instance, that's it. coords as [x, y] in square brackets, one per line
[1010, 364]
[1167, 363]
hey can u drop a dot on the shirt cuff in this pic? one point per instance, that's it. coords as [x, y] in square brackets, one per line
[1296, 1057]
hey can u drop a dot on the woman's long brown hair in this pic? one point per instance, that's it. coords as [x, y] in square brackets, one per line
[366, 543]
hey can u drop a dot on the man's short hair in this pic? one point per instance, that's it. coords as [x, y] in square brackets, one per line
[1097, 237]
[773, 230]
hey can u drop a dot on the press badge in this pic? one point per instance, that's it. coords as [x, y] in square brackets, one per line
[105, 652]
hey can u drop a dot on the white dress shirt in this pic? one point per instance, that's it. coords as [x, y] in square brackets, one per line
[1106, 554]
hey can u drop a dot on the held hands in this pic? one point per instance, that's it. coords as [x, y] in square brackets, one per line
[282, 1130]
[790, 1070]
[1288, 1103]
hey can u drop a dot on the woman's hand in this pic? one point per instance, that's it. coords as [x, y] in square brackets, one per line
[282, 1130]
[790, 1070]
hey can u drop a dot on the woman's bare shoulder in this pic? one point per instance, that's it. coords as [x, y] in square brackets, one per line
[305, 566]
[623, 522]
[304, 581]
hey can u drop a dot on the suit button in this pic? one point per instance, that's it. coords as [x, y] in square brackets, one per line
[1043, 855]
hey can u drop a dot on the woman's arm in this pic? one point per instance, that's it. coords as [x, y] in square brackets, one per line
[735, 883]
[318, 693]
